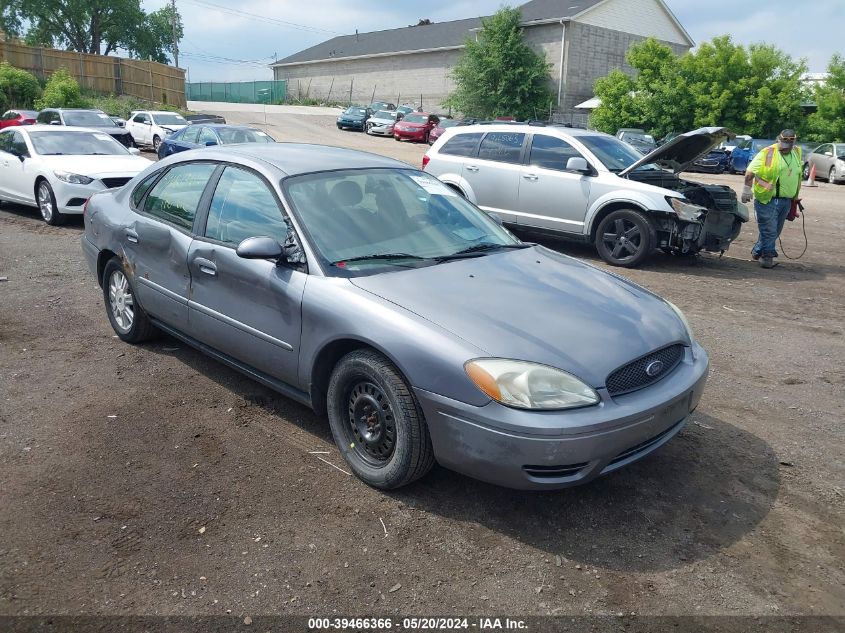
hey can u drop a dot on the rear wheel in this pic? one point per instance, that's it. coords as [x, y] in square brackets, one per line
[376, 422]
[625, 238]
[127, 318]
[47, 204]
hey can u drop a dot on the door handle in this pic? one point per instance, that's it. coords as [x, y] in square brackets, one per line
[531, 177]
[472, 168]
[206, 266]
[131, 236]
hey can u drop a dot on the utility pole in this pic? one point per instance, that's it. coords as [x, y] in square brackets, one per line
[175, 40]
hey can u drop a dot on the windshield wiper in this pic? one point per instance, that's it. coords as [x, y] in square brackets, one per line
[478, 250]
[379, 256]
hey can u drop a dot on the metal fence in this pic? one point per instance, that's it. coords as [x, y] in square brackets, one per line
[102, 73]
[237, 91]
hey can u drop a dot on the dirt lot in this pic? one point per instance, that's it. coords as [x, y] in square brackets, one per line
[152, 480]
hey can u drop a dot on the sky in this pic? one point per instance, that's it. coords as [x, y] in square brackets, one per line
[219, 45]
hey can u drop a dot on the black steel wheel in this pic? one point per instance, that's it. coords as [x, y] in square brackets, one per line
[625, 238]
[376, 422]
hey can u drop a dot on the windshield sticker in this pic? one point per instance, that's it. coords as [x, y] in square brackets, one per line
[102, 137]
[433, 186]
[103, 116]
[260, 133]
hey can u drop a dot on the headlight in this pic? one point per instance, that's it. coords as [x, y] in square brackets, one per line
[525, 385]
[74, 179]
[683, 320]
[686, 211]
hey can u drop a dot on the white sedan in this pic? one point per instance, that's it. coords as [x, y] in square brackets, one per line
[56, 169]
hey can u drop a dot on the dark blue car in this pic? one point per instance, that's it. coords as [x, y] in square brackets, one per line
[713, 162]
[195, 136]
[745, 151]
[354, 118]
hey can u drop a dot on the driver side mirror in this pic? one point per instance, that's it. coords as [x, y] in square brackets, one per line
[55, 122]
[260, 248]
[577, 164]
[210, 143]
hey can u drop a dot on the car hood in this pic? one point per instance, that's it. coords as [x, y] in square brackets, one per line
[353, 117]
[679, 153]
[375, 121]
[537, 305]
[97, 166]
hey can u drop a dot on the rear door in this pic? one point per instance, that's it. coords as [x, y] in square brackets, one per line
[248, 309]
[157, 241]
[549, 196]
[494, 173]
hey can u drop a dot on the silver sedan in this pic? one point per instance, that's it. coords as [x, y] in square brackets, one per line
[382, 122]
[829, 161]
[376, 295]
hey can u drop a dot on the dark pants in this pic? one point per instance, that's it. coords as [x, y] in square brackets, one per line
[770, 219]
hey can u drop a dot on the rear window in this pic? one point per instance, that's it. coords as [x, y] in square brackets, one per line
[462, 144]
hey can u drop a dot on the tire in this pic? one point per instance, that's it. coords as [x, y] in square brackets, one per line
[369, 127]
[805, 173]
[156, 143]
[46, 200]
[376, 422]
[425, 139]
[625, 238]
[831, 176]
[127, 317]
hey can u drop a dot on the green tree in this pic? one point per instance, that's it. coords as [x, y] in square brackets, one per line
[827, 123]
[18, 88]
[499, 75]
[91, 26]
[61, 91]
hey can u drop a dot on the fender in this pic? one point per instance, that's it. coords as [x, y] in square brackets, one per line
[460, 183]
[635, 199]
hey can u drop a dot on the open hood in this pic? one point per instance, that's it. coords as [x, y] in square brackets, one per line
[683, 150]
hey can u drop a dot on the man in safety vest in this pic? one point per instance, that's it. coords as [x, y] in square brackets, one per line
[776, 176]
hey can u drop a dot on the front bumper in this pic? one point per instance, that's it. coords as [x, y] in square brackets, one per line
[352, 125]
[70, 198]
[413, 135]
[381, 130]
[535, 450]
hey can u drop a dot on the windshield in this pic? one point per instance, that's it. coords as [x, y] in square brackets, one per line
[416, 118]
[645, 139]
[360, 111]
[758, 145]
[614, 154]
[384, 114]
[404, 214]
[169, 118]
[85, 119]
[444, 123]
[243, 135]
[57, 143]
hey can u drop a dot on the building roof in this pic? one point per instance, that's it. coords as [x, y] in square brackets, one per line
[428, 37]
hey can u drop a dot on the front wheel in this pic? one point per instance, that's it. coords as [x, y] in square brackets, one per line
[806, 172]
[831, 176]
[127, 318]
[625, 238]
[47, 204]
[376, 422]
[156, 143]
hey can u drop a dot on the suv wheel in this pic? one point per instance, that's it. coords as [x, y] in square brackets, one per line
[625, 238]
[376, 422]
[156, 143]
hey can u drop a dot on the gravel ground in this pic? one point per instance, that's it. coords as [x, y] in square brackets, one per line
[152, 480]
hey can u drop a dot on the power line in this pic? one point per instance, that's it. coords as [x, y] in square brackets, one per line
[225, 60]
[262, 18]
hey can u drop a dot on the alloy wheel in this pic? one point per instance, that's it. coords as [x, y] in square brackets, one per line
[372, 423]
[831, 175]
[625, 240]
[121, 301]
[45, 201]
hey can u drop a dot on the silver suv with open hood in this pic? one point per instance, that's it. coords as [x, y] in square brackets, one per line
[592, 187]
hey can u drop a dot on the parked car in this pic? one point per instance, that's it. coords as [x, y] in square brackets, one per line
[628, 130]
[713, 162]
[745, 151]
[12, 118]
[354, 118]
[442, 125]
[205, 118]
[91, 119]
[407, 108]
[415, 126]
[591, 187]
[382, 122]
[668, 137]
[150, 127]
[374, 294]
[375, 106]
[119, 121]
[643, 143]
[731, 144]
[58, 169]
[829, 159]
[198, 135]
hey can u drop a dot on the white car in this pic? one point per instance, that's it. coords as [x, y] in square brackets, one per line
[150, 127]
[382, 122]
[57, 169]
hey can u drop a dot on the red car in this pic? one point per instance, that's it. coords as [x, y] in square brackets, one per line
[17, 117]
[416, 126]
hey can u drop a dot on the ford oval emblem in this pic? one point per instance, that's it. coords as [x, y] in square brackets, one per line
[654, 368]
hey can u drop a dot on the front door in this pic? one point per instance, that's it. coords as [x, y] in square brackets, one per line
[494, 173]
[157, 241]
[140, 126]
[549, 196]
[248, 309]
[14, 186]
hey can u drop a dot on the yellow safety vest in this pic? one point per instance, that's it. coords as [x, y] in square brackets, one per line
[767, 175]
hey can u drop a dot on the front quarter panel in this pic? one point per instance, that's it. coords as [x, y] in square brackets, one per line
[608, 188]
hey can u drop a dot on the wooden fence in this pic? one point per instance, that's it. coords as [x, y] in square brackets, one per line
[101, 73]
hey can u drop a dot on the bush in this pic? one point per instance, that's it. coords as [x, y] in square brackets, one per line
[61, 91]
[18, 88]
[122, 105]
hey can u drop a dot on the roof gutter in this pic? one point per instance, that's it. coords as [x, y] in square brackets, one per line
[370, 56]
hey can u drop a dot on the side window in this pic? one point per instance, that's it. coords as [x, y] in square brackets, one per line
[828, 150]
[550, 152]
[19, 144]
[142, 188]
[190, 134]
[175, 197]
[243, 206]
[6, 142]
[206, 136]
[140, 118]
[43, 117]
[503, 147]
[462, 144]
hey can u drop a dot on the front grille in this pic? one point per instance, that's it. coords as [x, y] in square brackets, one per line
[634, 376]
[112, 183]
[554, 472]
[643, 446]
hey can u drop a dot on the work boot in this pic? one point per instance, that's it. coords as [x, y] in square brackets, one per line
[755, 256]
[767, 262]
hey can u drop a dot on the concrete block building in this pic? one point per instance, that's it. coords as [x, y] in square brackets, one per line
[581, 39]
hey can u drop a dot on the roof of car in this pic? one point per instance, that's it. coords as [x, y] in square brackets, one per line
[301, 158]
[505, 126]
[56, 128]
